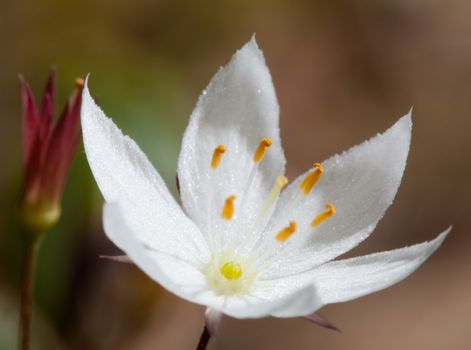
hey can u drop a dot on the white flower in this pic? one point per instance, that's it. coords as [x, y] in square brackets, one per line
[239, 246]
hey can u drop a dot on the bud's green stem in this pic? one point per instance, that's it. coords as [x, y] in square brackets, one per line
[36, 219]
[27, 287]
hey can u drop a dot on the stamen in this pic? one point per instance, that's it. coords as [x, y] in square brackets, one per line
[217, 155]
[310, 180]
[261, 149]
[324, 215]
[228, 210]
[280, 182]
[286, 233]
[258, 156]
[231, 271]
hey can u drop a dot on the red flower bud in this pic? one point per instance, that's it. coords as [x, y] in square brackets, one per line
[48, 149]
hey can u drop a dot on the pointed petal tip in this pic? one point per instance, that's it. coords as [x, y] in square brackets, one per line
[408, 118]
[429, 247]
[437, 241]
[400, 133]
[85, 90]
[253, 40]
[86, 96]
[85, 84]
[250, 47]
[404, 122]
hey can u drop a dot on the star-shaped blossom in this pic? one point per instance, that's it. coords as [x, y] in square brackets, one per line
[245, 243]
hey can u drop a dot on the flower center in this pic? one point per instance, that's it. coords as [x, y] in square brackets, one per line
[231, 270]
[229, 274]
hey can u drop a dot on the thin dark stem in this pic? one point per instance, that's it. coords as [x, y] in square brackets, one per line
[26, 301]
[204, 340]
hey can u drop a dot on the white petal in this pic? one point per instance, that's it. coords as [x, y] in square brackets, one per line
[348, 279]
[125, 176]
[175, 274]
[344, 280]
[361, 183]
[237, 109]
[299, 302]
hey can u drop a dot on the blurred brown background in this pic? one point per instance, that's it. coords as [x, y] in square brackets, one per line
[343, 70]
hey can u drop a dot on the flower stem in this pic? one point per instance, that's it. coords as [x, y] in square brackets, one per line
[27, 284]
[204, 340]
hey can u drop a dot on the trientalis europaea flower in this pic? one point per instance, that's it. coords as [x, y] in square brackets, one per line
[245, 243]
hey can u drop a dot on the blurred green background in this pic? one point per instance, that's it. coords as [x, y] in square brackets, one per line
[343, 70]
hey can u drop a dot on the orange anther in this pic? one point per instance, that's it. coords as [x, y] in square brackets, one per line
[228, 210]
[324, 215]
[261, 149]
[310, 180]
[286, 233]
[217, 155]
